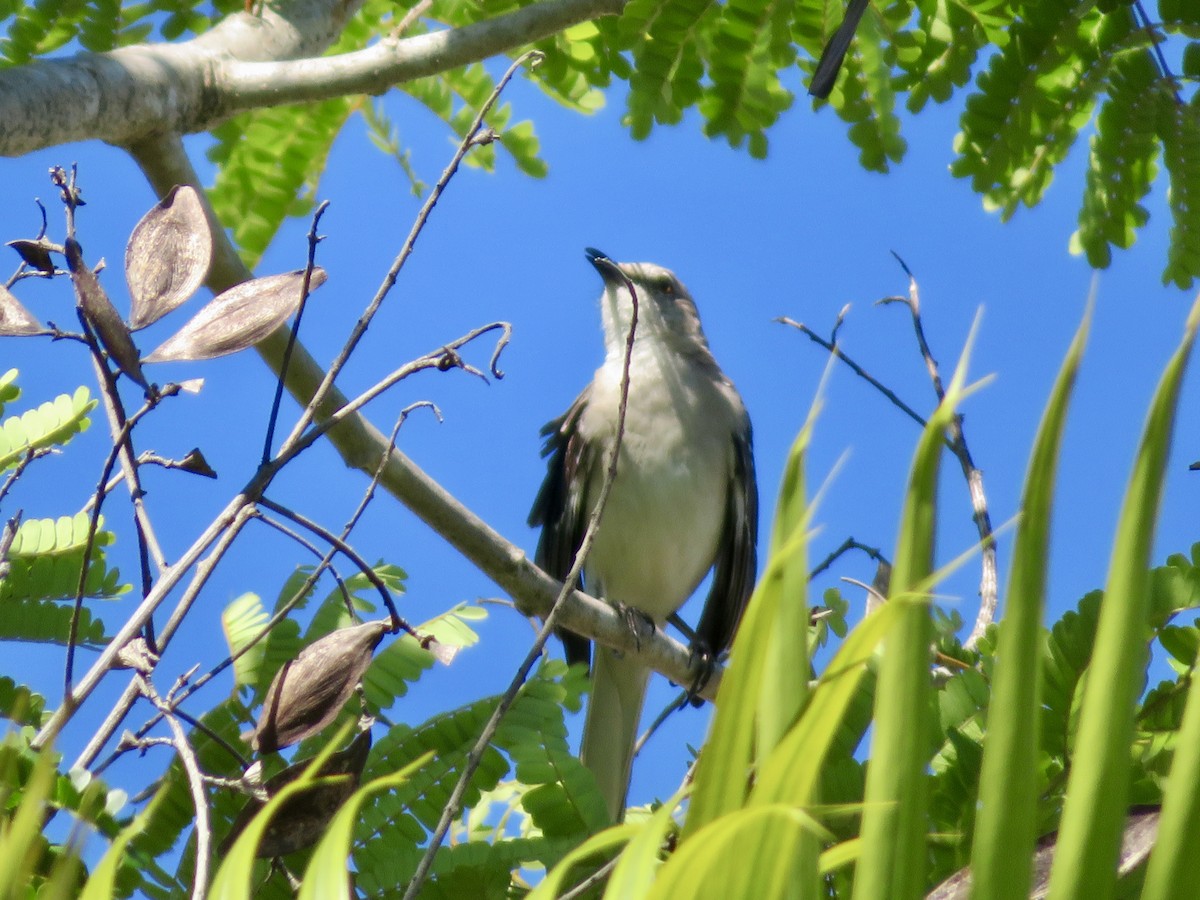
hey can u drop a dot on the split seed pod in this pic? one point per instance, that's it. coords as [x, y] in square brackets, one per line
[302, 820]
[310, 690]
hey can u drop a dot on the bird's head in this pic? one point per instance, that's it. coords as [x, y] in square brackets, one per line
[666, 311]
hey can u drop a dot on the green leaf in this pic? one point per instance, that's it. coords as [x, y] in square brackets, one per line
[102, 883]
[8, 388]
[1006, 827]
[46, 559]
[233, 878]
[269, 164]
[52, 424]
[1122, 164]
[747, 853]
[893, 829]
[1093, 815]
[325, 878]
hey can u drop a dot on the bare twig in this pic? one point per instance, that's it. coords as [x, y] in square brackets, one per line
[286, 608]
[682, 699]
[19, 469]
[350, 553]
[532, 57]
[475, 757]
[120, 445]
[410, 17]
[191, 768]
[846, 546]
[280, 380]
[858, 370]
[7, 535]
[989, 579]
[597, 877]
[445, 357]
[219, 536]
[315, 551]
[1156, 39]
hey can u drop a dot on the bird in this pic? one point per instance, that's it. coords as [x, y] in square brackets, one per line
[684, 500]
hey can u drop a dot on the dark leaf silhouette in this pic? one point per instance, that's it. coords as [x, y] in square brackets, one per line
[37, 253]
[102, 316]
[167, 256]
[237, 318]
[310, 690]
[14, 317]
[195, 463]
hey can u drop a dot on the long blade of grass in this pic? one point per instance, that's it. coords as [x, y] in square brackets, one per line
[766, 680]
[1006, 826]
[1094, 810]
[892, 863]
[1172, 873]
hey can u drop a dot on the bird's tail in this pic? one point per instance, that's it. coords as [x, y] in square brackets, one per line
[618, 689]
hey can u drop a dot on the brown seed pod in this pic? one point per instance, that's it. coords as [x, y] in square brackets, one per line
[167, 256]
[237, 318]
[310, 690]
[302, 820]
[102, 316]
[14, 317]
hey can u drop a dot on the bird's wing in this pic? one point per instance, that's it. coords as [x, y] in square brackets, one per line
[737, 555]
[562, 505]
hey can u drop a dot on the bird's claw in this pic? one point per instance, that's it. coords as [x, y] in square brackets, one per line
[706, 663]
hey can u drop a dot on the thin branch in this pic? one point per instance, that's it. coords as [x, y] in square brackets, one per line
[350, 553]
[195, 780]
[7, 535]
[582, 889]
[286, 608]
[120, 444]
[833, 348]
[315, 551]
[682, 699]
[360, 327]
[19, 469]
[445, 357]
[1156, 41]
[475, 757]
[989, 579]
[281, 378]
[219, 535]
[846, 546]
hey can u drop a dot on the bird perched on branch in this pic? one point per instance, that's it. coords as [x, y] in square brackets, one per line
[683, 502]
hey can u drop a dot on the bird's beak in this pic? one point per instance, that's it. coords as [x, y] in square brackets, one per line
[608, 269]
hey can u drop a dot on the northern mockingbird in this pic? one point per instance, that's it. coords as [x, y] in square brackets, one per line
[684, 499]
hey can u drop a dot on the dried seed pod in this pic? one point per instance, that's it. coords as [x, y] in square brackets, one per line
[302, 820]
[14, 317]
[167, 256]
[310, 690]
[37, 253]
[102, 315]
[237, 318]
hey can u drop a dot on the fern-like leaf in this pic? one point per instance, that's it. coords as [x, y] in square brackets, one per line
[52, 424]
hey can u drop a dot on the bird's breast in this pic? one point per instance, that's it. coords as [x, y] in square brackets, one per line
[660, 529]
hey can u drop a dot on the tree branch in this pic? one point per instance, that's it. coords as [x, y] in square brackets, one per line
[245, 62]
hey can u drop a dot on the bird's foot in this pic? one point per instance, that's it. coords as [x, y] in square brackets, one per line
[640, 625]
[705, 662]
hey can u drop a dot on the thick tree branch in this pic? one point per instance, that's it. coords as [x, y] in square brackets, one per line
[245, 62]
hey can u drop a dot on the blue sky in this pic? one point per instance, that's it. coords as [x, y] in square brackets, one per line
[800, 234]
